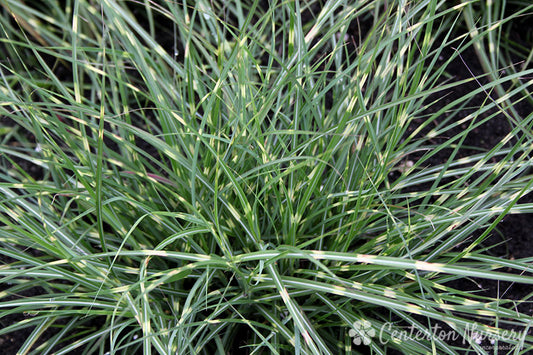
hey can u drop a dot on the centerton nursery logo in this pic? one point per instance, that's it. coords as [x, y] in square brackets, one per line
[363, 332]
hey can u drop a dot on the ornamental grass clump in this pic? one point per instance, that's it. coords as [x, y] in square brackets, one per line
[214, 177]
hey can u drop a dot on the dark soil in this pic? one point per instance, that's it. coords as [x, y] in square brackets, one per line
[515, 231]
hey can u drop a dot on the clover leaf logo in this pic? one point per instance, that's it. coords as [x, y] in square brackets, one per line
[362, 332]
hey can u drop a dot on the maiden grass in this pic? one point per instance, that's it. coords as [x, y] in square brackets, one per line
[220, 176]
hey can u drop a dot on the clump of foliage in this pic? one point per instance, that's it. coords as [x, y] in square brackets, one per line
[216, 176]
